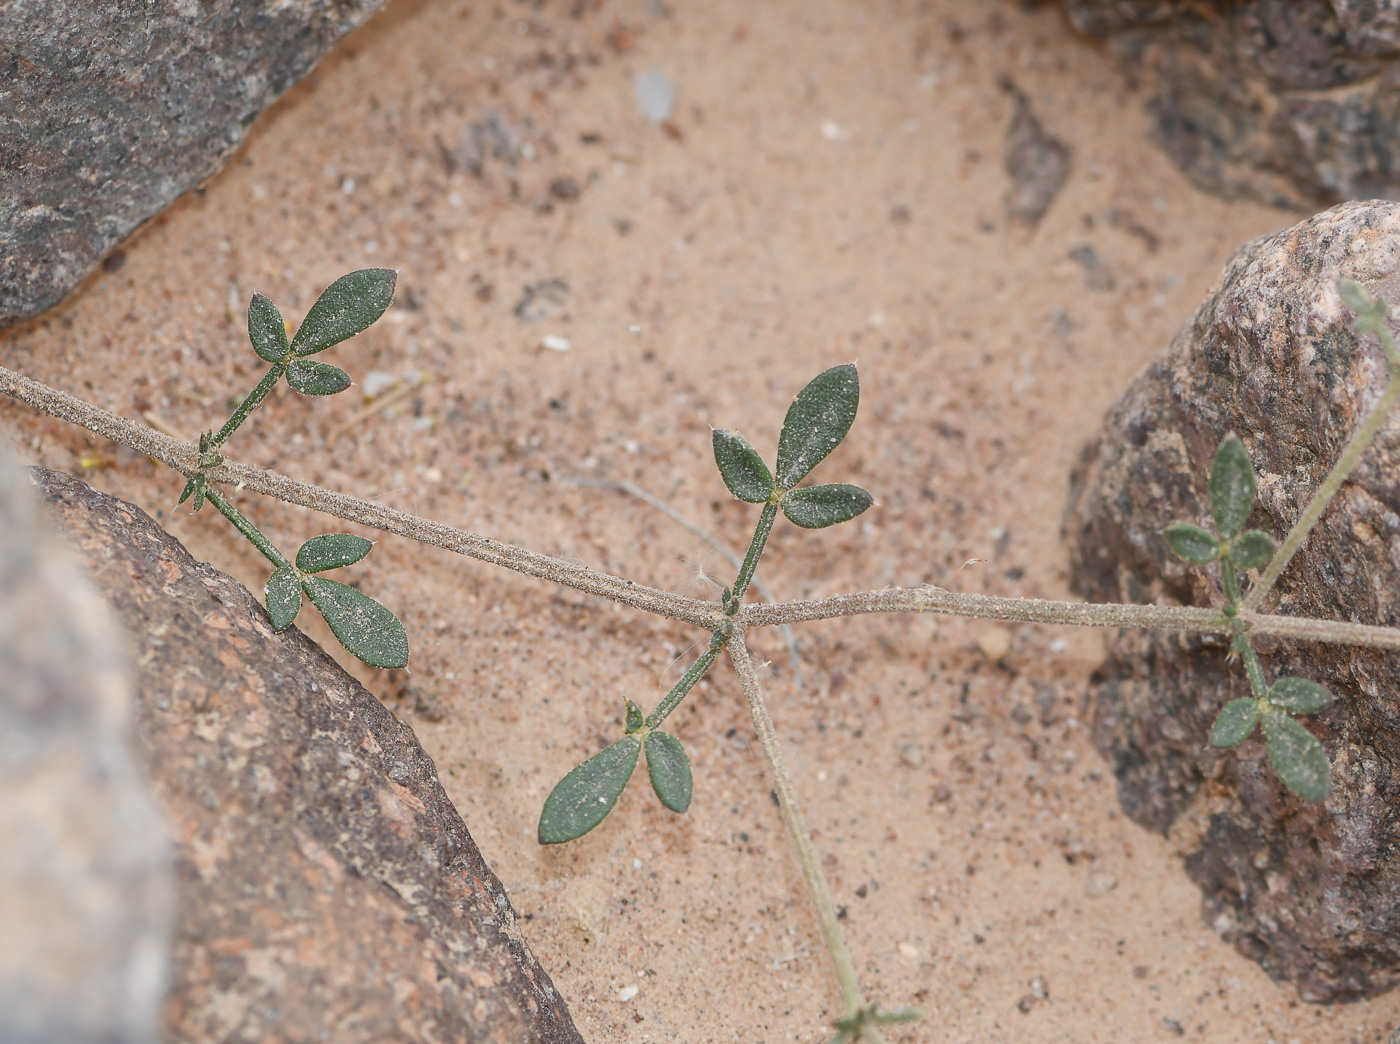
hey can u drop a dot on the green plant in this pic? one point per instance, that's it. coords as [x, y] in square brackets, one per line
[818, 420]
[346, 307]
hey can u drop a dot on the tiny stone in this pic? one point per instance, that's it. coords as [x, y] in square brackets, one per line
[1026, 1003]
[942, 792]
[995, 643]
[911, 755]
[656, 95]
[555, 343]
[627, 993]
[565, 189]
[909, 951]
[1100, 884]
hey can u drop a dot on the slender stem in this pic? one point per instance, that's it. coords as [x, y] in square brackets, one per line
[1350, 456]
[852, 999]
[183, 457]
[243, 525]
[755, 552]
[249, 404]
[1252, 667]
[687, 682]
[1230, 582]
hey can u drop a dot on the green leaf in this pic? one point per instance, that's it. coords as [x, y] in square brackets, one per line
[1193, 543]
[189, 488]
[267, 330]
[634, 718]
[1234, 723]
[332, 551]
[741, 467]
[1252, 549]
[1297, 756]
[669, 769]
[1299, 695]
[361, 624]
[583, 798]
[816, 507]
[316, 378]
[1231, 487]
[346, 307]
[816, 422]
[283, 597]
[1370, 311]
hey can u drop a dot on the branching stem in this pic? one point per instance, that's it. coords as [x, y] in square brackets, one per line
[249, 404]
[678, 692]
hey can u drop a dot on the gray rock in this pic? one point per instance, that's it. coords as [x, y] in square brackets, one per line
[656, 95]
[326, 887]
[109, 111]
[85, 867]
[1310, 891]
[1293, 102]
[1037, 163]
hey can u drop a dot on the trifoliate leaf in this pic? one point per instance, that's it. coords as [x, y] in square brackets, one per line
[742, 469]
[362, 625]
[816, 507]
[346, 307]
[1299, 695]
[1234, 723]
[816, 422]
[1193, 543]
[1252, 549]
[266, 329]
[332, 551]
[583, 798]
[316, 378]
[669, 769]
[283, 597]
[1231, 487]
[1297, 756]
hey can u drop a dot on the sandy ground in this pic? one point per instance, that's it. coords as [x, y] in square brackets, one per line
[830, 188]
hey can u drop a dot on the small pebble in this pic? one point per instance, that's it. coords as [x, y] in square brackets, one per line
[995, 643]
[555, 343]
[909, 951]
[656, 95]
[627, 993]
[1100, 884]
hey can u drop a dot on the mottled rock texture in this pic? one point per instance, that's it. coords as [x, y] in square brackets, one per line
[1311, 891]
[85, 867]
[110, 109]
[1294, 102]
[326, 887]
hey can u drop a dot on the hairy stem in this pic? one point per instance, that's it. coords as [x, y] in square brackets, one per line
[852, 999]
[248, 405]
[1230, 582]
[756, 545]
[687, 682]
[1350, 456]
[242, 523]
[183, 457]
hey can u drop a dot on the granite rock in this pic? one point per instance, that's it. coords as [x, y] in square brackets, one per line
[1310, 891]
[1293, 102]
[326, 888]
[85, 867]
[110, 110]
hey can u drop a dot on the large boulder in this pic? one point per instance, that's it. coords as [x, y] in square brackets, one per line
[1295, 102]
[109, 111]
[326, 888]
[1311, 891]
[85, 868]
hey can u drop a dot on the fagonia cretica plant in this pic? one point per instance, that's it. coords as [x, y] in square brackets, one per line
[817, 421]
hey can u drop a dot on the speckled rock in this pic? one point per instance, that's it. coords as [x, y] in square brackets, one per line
[1310, 891]
[109, 111]
[1294, 102]
[85, 866]
[326, 887]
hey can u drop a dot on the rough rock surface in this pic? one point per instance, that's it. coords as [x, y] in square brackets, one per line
[109, 111]
[1288, 101]
[327, 888]
[1310, 891]
[84, 862]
